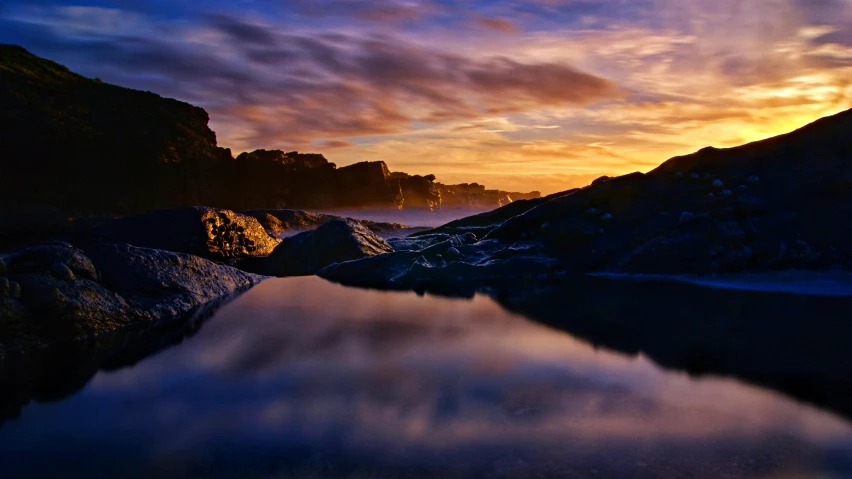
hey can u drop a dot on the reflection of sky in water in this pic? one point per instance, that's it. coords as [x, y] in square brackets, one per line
[302, 377]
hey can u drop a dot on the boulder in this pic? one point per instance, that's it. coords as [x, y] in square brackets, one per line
[206, 232]
[60, 293]
[280, 223]
[451, 265]
[163, 282]
[283, 222]
[52, 255]
[336, 241]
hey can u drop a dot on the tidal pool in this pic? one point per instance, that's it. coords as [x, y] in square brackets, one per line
[302, 378]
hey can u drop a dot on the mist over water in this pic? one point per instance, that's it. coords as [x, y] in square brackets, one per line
[408, 217]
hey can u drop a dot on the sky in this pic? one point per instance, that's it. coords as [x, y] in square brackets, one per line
[518, 95]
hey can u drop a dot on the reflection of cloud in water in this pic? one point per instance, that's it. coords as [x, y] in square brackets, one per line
[398, 380]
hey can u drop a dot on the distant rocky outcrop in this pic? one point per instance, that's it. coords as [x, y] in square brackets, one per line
[335, 241]
[418, 191]
[262, 178]
[58, 292]
[776, 204]
[363, 184]
[474, 194]
[80, 148]
[424, 192]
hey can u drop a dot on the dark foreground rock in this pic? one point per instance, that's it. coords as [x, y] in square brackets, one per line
[201, 231]
[63, 293]
[335, 241]
[771, 205]
[483, 223]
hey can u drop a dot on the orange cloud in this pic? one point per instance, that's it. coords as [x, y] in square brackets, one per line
[581, 88]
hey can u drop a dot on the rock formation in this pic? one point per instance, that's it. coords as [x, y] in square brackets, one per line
[363, 184]
[769, 205]
[335, 241]
[80, 148]
[65, 293]
[418, 191]
[474, 194]
[280, 223]
[206, 232]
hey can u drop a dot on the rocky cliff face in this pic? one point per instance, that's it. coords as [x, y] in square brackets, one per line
[474, 194]
[418, 191]
[424, 192]
[77, 147]
[263, 178]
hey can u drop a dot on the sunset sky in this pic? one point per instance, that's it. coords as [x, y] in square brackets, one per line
[519, 95]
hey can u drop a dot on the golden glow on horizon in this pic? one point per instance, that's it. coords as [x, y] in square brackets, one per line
[539, 94]
[681, 98]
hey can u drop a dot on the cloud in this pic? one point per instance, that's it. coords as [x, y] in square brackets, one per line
[498, 24]
[242, 31]
[332, 144]
[269, 87]
[391, 11]
[435, 82]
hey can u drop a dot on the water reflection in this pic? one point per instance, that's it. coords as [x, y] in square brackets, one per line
[302, 378]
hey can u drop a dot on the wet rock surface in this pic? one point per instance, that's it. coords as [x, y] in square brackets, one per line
[56, 292]
[335, 241]
[681, 218]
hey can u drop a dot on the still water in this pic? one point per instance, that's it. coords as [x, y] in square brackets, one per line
[303, 378]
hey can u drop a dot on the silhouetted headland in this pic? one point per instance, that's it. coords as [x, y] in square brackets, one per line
[80, 149]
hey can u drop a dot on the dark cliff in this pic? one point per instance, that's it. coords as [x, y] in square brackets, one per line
[424, 192]
[77, 147]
